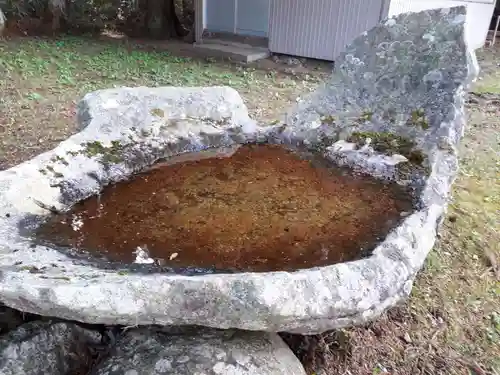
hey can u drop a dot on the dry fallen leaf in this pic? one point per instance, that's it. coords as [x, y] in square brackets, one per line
[493, 260]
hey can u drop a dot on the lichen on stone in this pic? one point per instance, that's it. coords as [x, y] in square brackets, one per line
[366, 116]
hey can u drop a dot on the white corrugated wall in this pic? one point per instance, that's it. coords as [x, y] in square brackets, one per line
[319, 28]
[479, 14]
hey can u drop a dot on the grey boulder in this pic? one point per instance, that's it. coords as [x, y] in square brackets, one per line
[9, 319]
[193, 351]
[408, 76]
[38, 348]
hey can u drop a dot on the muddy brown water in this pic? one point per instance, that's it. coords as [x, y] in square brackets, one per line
[264, 208]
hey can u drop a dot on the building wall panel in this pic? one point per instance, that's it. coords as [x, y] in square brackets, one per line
[319, 28]
[479, 13]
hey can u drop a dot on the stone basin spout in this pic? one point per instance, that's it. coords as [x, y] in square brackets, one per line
[172, 207]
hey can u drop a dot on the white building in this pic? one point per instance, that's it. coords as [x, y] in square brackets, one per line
[319, 28]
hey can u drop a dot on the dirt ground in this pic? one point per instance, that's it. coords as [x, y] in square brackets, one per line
[450, 325]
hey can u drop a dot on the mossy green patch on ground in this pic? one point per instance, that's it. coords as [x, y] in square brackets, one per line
[492, 87]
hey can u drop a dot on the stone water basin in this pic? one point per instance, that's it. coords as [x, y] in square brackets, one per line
[259, 208]
[72, 220]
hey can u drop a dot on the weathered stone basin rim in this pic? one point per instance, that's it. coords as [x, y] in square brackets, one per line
[134, 127]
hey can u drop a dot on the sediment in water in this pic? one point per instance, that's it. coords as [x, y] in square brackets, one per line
[265, 208]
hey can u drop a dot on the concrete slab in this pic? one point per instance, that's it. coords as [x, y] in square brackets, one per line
[235, 51]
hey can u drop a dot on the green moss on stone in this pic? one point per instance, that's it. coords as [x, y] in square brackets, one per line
[328, 120]
[404, 170]
[157, 112]
[93, 148]
[109, 154]
[390, 144]
[59, 159]
[418, 119]
[407, 169]
[366, 116]
[50, 168]
[416, 157]
[385, 143]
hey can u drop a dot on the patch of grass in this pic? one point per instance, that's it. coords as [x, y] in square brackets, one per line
[42, 80]
[489, 80]
[485, 88]
[89, 65]
[489, 85]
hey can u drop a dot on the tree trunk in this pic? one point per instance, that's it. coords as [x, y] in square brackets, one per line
[3, 20]
[154, 20]
[162, 20]
[57, 9]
